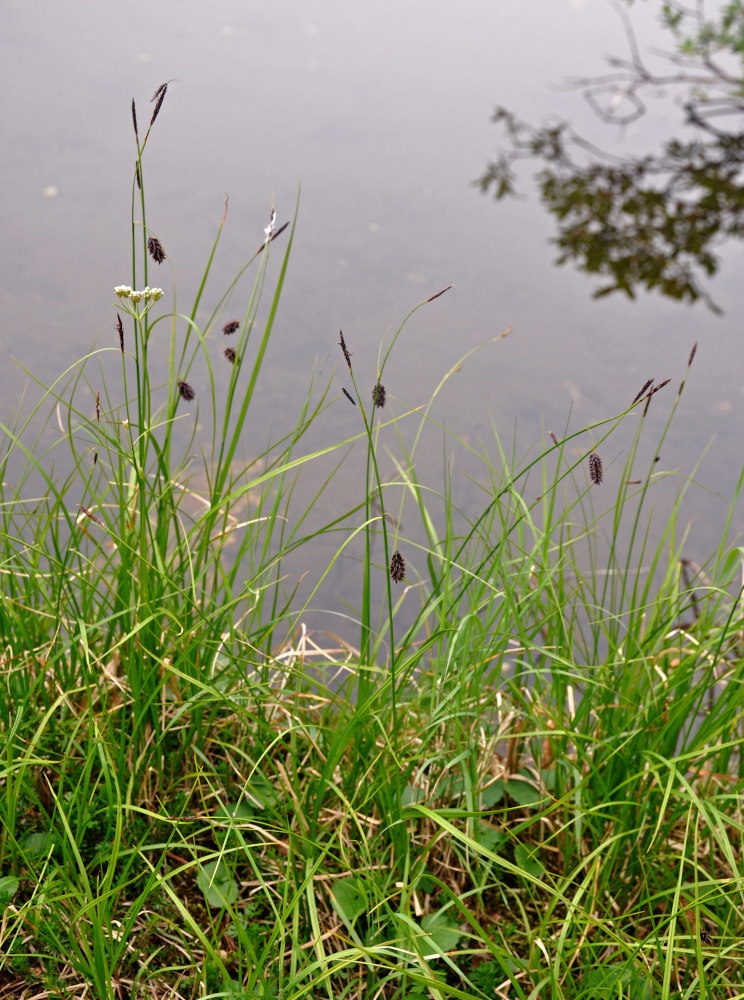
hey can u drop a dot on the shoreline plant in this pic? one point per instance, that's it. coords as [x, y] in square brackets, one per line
[524, 780]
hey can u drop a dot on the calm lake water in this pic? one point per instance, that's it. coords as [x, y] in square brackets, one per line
[381, 111]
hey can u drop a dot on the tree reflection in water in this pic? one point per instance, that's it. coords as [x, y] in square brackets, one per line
[651, 222]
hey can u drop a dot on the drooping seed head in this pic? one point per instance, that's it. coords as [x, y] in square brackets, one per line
[230, 354]
[397, 567]
[156, 249]
[231, 327]
[185, 390]
[158, 97]
[379, 395]
[595, 468]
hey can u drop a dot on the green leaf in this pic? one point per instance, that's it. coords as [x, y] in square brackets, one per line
[412, 794]
[489, 837]
[526, 859]
[36, 843]
[549, 778]
[614, 981]
[234, 810]
[261, 792]
[215, 881]
[442, 933]
[8, 888]
[424, 883]
[349, 900]
[493, 794]
[522, 792]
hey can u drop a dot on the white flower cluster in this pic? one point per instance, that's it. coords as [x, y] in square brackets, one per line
[148, 294]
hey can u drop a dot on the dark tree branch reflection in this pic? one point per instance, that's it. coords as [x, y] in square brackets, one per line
[651, 222]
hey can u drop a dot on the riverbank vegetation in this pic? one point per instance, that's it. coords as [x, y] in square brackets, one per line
[515, 773]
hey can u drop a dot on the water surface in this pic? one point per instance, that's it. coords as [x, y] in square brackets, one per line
[381, 112]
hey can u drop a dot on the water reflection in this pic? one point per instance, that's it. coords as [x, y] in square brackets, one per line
[648, 222]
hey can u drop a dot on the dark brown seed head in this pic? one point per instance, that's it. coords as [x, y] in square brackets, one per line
[660, 386]
[553, 438]
[642, 390]
[156, 250]
[397, 567]
[158, 105]
[692, 358]
[436, 296]
[186, 391]
[98, 407]
[271, 239]
[230, 354]
[342, 345]
[120, 330]
[137, 176]
[378, 395]
[161, 90]
[91, 516]
[348, 396]
[134, 121]
[231, 327]
[705, 935]
[278, 232]
[595, 468]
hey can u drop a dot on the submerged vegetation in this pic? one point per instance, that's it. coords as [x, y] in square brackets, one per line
[521, 778]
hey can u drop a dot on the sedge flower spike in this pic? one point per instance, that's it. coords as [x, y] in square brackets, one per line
[269, 230]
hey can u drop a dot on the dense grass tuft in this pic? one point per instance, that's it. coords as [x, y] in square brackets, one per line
[518, 774]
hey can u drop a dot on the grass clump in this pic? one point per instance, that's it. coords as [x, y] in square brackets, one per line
[523, 779]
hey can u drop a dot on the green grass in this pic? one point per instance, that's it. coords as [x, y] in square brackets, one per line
[517, 774]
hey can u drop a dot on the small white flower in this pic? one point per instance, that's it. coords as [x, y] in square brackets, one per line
[156, 293]
[123, 291]
[135, 296]
[269, 230]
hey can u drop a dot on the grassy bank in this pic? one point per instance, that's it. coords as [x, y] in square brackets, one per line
[516, 774]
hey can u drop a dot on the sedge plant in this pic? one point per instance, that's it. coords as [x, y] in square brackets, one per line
[537, 792]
